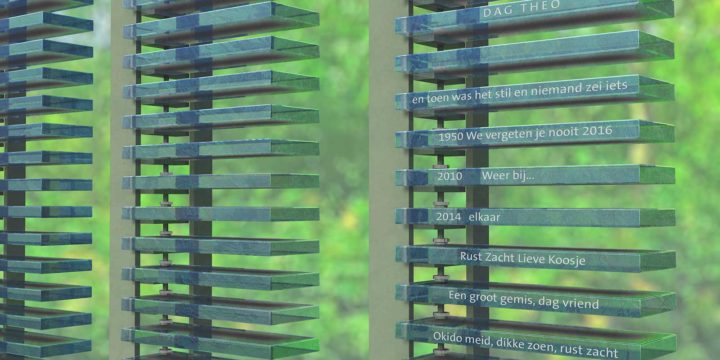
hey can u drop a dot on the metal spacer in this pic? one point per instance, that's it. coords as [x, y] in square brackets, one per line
[166, 233]
[166, 203]
[441, 278]
[166, 292]
[440, 166]
[441, 315]
[441, 352]
[166, 322]
[441, 204]
[165, 351]
[441, 241]
[165, 263]
[164, 173]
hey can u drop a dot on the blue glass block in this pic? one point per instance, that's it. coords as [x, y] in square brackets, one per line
[222, 309]
[18, 7]
[45, 212]
[41, 319]
[458, 26]
[225, 55]
[37, 52]
[232, 117]
[44, 131]
[43, 105]
[181, 92]
[250, 279]
[171, 8]
[45, 238]
[249, 344]
[598, 132]
[221, 245]
[537, 338]
[32, 291]
[452, 66]
[35, 345]
[174, 355]
[217, 213]
[42, 78]
[41, 25]
[623, 218]
[38, 265]
[626, 261]
[182, 183]
[220, 24]
[617, 303]
[540, 175]
[44, 158]
[565, 93]
[221, 149]
[45, 185]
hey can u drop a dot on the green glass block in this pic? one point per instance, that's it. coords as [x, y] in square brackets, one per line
[45, 238]
[222, 309]
[590, 133]
[461, 217]
[530, 176]
[171, 8]
[44, 158]
[538, 338]
[45, 212]
[41, 25]
[225, 55]
[38, 52]
[41, 319]
[18, 7]
[232, 117]
[43, 105]
[42, 78]
[34, 345]
[627, 261]
[217, 213]
[45, 185]
[41, 265]
[174, 355]
[456, 356]
[452, 66]
[617, 303]
[221, 149]
[249, 279]
[221, 245]
[182, 183]
[566, 93]
[249, 344]
[181, 92]
[459, 26]
[220, 24]
[32, 291]
[44, 131]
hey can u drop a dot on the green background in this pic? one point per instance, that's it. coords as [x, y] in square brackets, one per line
[343, 197]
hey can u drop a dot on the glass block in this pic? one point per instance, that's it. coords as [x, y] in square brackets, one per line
[616, 303]
[18, 7]
[615, 218]
[221, 245]
[41, 319]
[36, 345]
[45, 185]
[222, 309]
[444, 5]
[232, 117]
[174, 355]
[220, 24]
[241, 181]
[184, 91]
[249, 344]
[45, 238]
[566, 93]
[41, 25]
[32, 291]
[221, 149]
[458, 26]
[41, 265]
[540, 175]
[452, 66]
[626, 261]
[249, 279]
[217, 213]
[44, 158]
[45, 212]
[43, 105]
[171, 8]
[590, 133]
[538, 338]
[38, 52]
[42, 78]
[456, 356]
[225, 55]
[44, 131]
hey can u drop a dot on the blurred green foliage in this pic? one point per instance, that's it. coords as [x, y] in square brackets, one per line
[343, 196]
